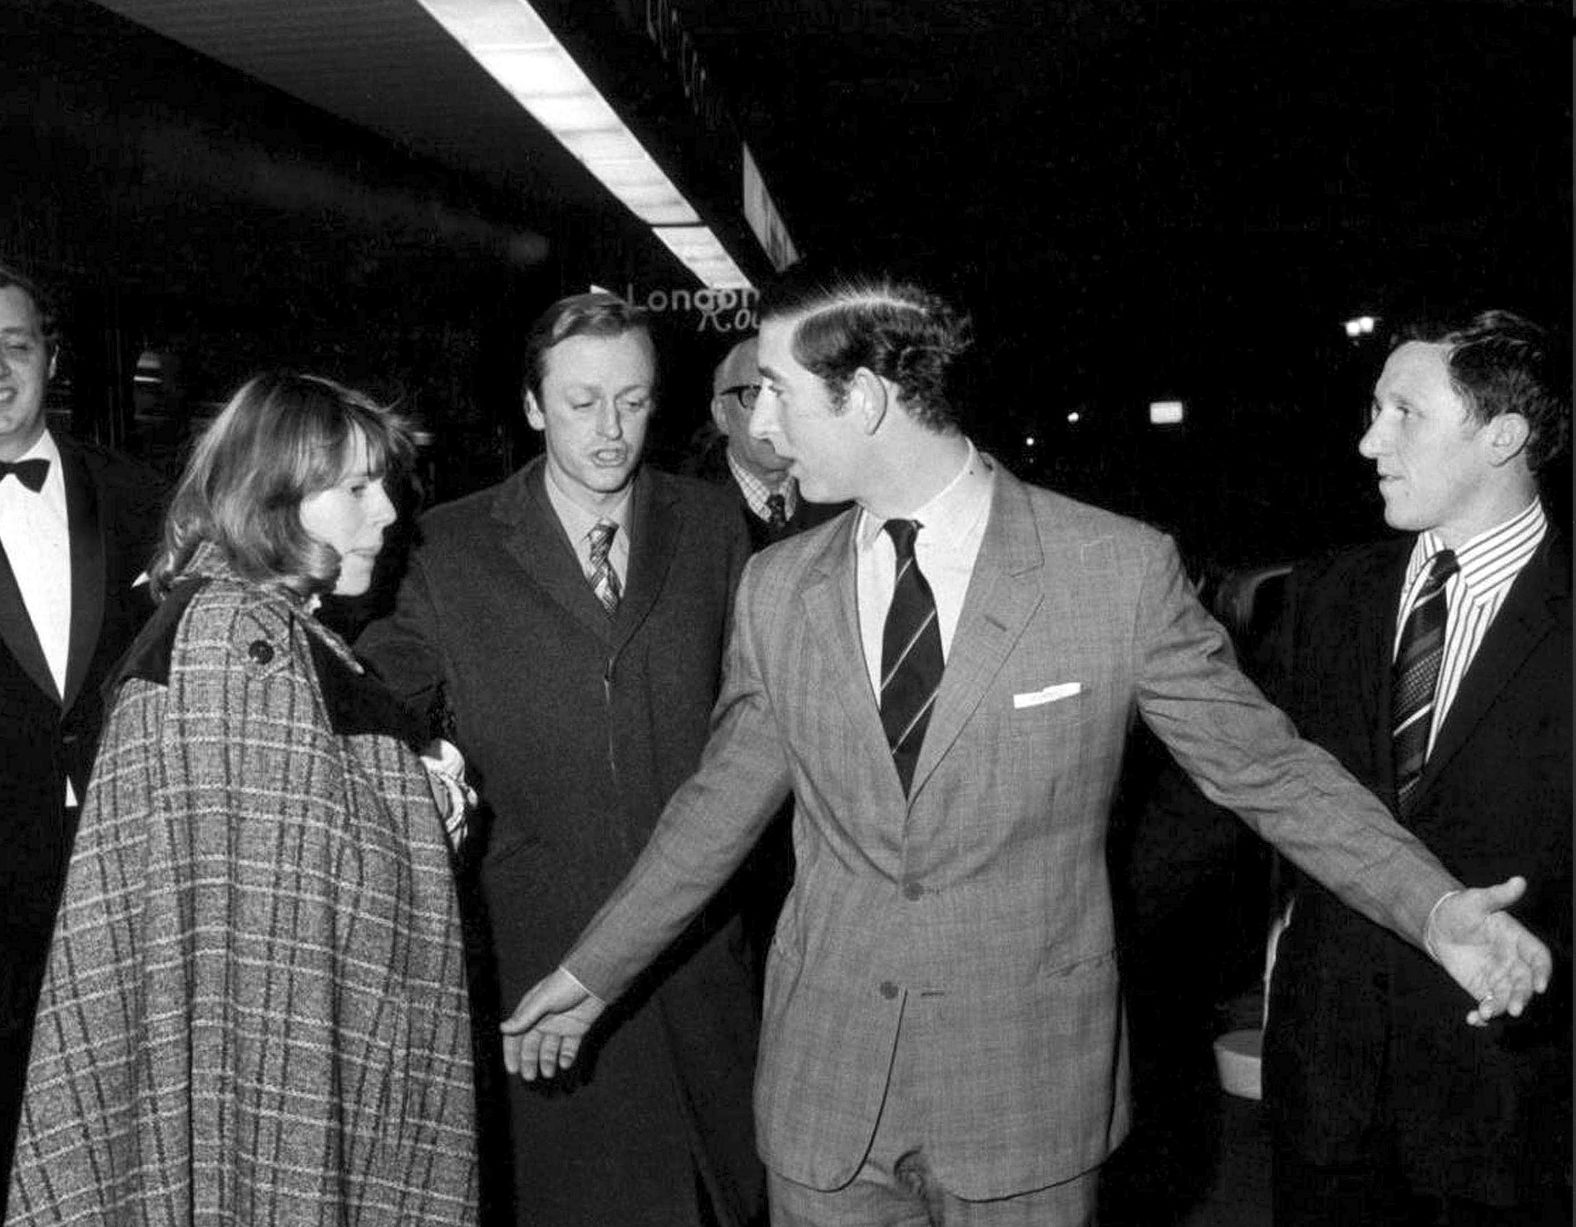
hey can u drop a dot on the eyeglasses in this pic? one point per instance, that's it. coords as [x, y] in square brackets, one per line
[747, 393]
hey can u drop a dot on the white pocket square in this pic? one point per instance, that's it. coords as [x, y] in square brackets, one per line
[1033, 698]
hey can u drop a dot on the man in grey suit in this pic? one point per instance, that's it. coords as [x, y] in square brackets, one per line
[945, 682]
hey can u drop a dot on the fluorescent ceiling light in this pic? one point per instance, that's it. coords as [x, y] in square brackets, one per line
[514, 45]
[698, 248]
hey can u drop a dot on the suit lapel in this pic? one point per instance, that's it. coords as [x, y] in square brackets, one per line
[1528, 616]
[831, 608]
[1004, 592]
[16, 629]
[1378, 598]
[535, 537]
[87, 570]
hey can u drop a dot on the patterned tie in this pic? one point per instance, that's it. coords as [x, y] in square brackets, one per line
[30, 473]
[604, 580]
[911, 660]
[776, 513]
[1414, 676]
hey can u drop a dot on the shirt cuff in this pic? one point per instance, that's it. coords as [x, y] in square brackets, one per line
[1428, 928]
[581, 985]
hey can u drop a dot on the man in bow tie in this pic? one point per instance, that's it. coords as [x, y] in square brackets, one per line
[945, 681]
[78, 524]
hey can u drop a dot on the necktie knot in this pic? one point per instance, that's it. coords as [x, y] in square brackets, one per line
[776, 510]
[1443, 566]
[902, 533]
[30, 473]
[601, 539]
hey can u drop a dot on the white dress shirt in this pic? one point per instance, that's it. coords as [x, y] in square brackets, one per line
[37, 538]
[952, 525]
[1489, 564]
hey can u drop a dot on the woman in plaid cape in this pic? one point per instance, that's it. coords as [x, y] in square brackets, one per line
[255, 1009]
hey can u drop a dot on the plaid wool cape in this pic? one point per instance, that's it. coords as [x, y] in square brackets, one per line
[255, 1010]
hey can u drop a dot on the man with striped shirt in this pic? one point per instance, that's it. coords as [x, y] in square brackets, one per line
[1437, 668]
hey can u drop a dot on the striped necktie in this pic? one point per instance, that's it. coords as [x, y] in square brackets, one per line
[911, 660]
[604, 580]
[1414, 676]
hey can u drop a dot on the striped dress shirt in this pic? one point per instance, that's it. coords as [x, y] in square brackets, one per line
[1489, 564]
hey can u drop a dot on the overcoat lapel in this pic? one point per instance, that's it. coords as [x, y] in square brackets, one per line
[535, 537]
[1004, 592]
[16, 629]
[1527, 617]
[654, 526]
[87, 570]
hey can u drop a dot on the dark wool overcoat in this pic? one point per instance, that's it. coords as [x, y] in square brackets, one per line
[255, 1006]
[577, 729]
[1364, 1029]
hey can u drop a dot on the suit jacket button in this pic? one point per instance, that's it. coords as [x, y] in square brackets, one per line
[888, 989]
[261, 651]
[912, 890]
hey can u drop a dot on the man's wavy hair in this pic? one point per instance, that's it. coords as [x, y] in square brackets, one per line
[1500, 362]
[283, 437]
[597, 314]
[896, 329]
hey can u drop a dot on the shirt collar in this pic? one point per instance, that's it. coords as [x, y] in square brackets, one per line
[1493, 556]
[577, 521]
[949, 517]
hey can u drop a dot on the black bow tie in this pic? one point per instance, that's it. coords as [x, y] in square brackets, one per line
[30, 473]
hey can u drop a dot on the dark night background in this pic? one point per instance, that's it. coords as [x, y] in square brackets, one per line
[1135, 199]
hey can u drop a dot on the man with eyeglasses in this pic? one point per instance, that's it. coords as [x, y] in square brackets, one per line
[773, 508]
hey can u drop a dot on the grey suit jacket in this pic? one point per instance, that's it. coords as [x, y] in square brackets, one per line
[978, 904]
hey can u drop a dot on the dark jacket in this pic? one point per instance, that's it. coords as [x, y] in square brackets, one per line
[115, 508]
[1364, 1028]
[577, 729]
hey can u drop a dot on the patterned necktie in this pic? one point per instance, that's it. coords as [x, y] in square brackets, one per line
[30, 473]
[911, 660]
[776, 513]
[1414, 676]
[604, 580]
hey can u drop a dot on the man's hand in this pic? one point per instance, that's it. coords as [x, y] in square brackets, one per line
[544, 1032]
[1487, 951]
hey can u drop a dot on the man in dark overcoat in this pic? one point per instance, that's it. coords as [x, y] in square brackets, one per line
[1436, 666]
[78, 523]
[569, 625]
